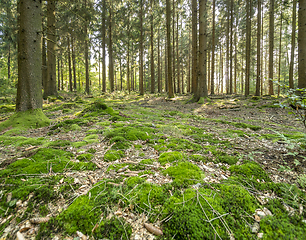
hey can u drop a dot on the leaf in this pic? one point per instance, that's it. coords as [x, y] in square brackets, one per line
[154, 230]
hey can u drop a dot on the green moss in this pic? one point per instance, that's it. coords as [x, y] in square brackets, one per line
[250, 170]
[132, 181]
[170, 157]
[92, 150]
[7, 108]
[120, 143]
[92, 138]
[24, 120]
[74, 127]
[146, 161]
[283, 228]
[86, 211]
[85, 157]
[131, 133]
[21, 141]
[113, 155]
[79, 144]
[184, 172]
[43, 161]
[198, 158]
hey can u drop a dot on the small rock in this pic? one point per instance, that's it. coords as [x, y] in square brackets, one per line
[260, 213]
[19, 203]
[9, 197]
[257, 218]
[255, 227]
[267, 212]
[260, 235]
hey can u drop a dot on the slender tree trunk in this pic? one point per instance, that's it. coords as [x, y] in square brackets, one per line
[51, 55]
[231, 48]
[170, 84]
[9, 63]
[44, 64]
[69, 64]
[202, 84]
[194, 46]
[227, 47]
[141, 89]
[29, 92]
[74, 64]
[257, 92]
[221, 75]
[87, 89]
[62, 75]
[99, 66]
[166, 65]
[271, 47]
[173, 47]
[110, 50]
[103, 48]
[248, 48]
[212, 80]
[158, 63]
[291, 83]
[58, 75]
[177, 55]
[280, 51]
[128, 56]
[152, 52]
[189, 64]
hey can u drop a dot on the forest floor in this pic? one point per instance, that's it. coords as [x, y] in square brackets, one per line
[147, 167]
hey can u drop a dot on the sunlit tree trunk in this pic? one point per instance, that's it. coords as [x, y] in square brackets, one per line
[212, 80]
[69, 63]
[103, 48]
[87, 89]
[248, 48]
[110, 50]
[158, 63]
[152, 52]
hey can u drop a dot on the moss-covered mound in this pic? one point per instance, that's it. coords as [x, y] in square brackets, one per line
[24, 120]
[169, 157]
[184, 172]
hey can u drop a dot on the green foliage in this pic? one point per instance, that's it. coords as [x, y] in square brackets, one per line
[169, 157]
[198, 158]
[131, 133]
[120, 143]
[113, 155]
[184, 173]
[21, 141]
[91, 138]
[183, 144]
[25, 120]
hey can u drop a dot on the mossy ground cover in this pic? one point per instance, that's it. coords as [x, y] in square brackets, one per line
[152, 157]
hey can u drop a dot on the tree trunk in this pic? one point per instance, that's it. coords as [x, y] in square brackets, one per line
[169, 49]
[110, 51]
[212, 80]
[280, 51]
[302, 44]
[29, 92]
[227, 48]
[158, 63]
[173, 48]
[103, 48]
[194, 46]
[291, 83]
[44, 64]
[202, 83]
[86, 54]
[248, 48]
[177, 55]
[271, 47]
[141, 89]
[58, 75]
[69, 64]
[73, 63]
[62, 75]
[152, 52]
[51, 55]
[257, 92]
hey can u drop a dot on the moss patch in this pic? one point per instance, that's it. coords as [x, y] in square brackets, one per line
[24, 120]
[184, 172]
[113, 155]
[169, 157]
